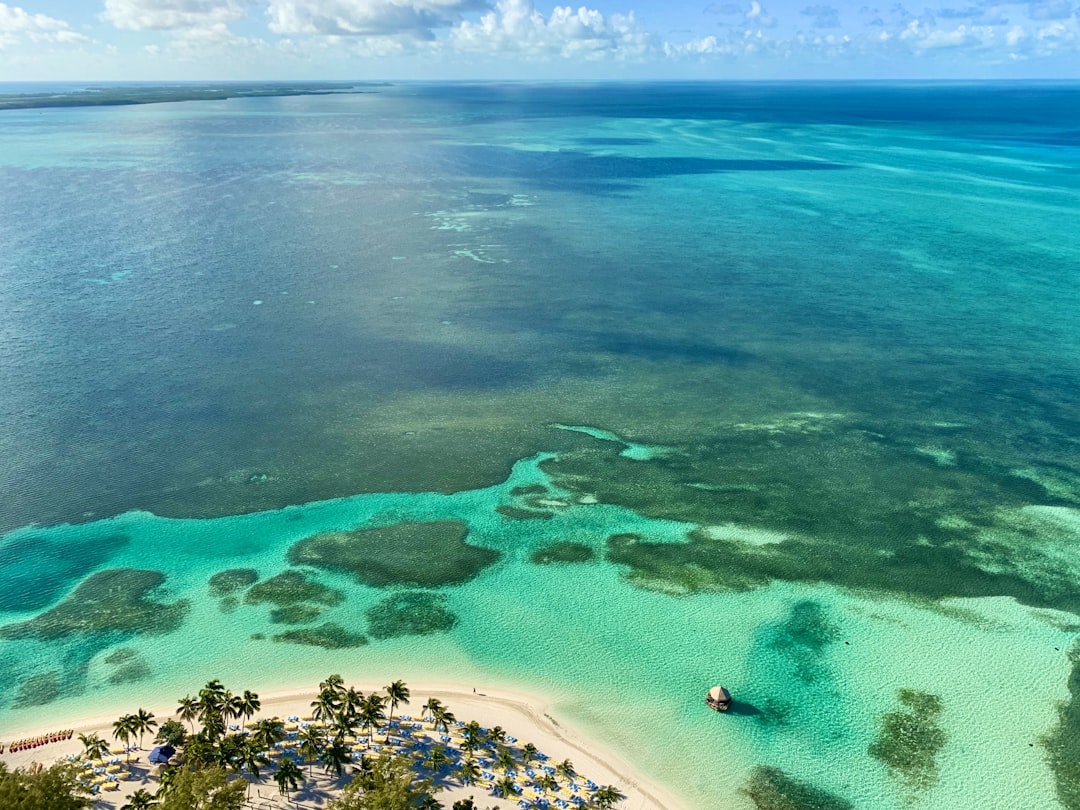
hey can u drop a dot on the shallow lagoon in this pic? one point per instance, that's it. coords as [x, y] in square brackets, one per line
[820, 338]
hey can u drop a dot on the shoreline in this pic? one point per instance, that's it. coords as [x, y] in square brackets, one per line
[525, 715]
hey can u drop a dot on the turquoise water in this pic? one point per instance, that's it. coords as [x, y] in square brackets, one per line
[797, 363]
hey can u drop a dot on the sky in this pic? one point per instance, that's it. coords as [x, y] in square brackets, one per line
[108, 40]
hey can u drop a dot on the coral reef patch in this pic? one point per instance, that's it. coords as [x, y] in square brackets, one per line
[329, 636]
[411, 613]
[425, 555]
[116, 600]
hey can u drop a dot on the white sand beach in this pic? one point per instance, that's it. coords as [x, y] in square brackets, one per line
[525, 717]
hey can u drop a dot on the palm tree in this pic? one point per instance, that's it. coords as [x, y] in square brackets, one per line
[398, 692]
[607, 797]
[468, 771]
[124, 729]
[93, 746]
[351, 700]
[443, 717]
[165, 781]
[432, 706]
[269, 731]
[505, 760]
[312, 743]
[325, 706]
[505, 787]
[288, 777]
[143, 722]
[336, 756]
[188, 710]
[437, 759]
[528, 753]
[566, 769]
[333, 683]
[372, 712]
[199, 751]
[231, 707]
[140, 800]
[497, 735]
[213, 726]
[473, 736]
[211, 700]
[249, 706]
[249, 757]
[547, 783]
[344, 725]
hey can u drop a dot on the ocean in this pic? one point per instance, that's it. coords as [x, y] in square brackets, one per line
[613, 392]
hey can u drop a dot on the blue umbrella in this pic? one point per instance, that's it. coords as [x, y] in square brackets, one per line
[161, 754]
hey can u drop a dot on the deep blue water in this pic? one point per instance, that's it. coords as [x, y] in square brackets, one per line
[847, 312]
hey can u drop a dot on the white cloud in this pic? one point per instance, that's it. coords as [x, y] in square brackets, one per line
[173, 15]
[758, 16]
[705, 46]
[418, 18]
[515, 26]
[16, 24]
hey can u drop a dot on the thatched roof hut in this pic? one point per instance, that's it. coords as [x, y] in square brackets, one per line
[718, 698]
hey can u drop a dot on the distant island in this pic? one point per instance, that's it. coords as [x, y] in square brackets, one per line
[121, 95]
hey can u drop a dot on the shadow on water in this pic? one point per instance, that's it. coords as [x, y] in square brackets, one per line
[681, 350]
[741, 708]
[584, 171]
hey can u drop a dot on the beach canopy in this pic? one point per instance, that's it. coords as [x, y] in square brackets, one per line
[719, 694]
[161, 754]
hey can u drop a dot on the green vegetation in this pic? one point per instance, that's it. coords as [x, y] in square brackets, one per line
[389, 782]
[220, 761]
[412, 613]
[772, 789]
[1063, 743]
[909, 741]
[563, 552]
[111, 601]
[172, 732]
[329, 636]
[425, 555]
[208, 788]
[219, 91]
[228, 583]
[53, 788]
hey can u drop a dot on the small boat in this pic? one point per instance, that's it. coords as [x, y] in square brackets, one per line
[718, 699]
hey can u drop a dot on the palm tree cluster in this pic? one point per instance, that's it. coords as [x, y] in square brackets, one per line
[125, 729]
[218, 742]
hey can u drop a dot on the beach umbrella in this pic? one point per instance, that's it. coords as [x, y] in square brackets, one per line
[161, 754]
